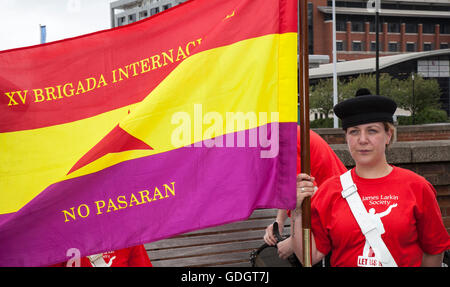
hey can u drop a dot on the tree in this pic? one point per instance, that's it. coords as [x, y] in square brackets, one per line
[423, 103]
[387, 83]
[418, 95]
[321, 96]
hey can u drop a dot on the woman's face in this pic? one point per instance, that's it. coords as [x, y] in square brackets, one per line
[367, 143]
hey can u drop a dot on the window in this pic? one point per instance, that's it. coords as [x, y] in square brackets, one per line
[411, 28]
[131, 18]
[443, 46]
[121, 21]
[445, 28]
[357, 26]
[143, 14]
[373, 46]
[165, 7]
[356, 46]
[428, 28]
[338, 3]
[433, 68]
[340, 25]
[394, 27]
[389, 6]
[154, 11]
[355, 4]
[427, 46]
[372, 27]
[410, 47]
[339, 46]
[393, 47]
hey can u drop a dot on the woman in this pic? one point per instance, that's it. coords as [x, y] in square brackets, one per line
[398, 210]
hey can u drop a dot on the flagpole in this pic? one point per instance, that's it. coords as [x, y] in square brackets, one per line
[304, 124]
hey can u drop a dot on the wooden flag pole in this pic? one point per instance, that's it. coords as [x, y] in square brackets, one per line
[304, 124]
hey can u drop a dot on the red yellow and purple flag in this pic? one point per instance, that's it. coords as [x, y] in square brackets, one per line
[178, 122]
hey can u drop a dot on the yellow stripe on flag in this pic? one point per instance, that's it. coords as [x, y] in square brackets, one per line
[250, 76]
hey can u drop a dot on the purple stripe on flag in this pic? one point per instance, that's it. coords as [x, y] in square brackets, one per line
[148, 199]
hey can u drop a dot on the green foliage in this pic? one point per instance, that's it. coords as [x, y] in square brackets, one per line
[418, 96]
[321, 97]
[321, 123]
[369, 82]
[431, 115]
[405, 120]
[423, 103]
[426, 116]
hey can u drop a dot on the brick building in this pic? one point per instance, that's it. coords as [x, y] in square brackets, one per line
[404, 26]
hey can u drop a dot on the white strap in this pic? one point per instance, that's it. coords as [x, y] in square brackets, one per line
[366, 223]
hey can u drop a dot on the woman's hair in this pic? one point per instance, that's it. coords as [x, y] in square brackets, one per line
[390, 127]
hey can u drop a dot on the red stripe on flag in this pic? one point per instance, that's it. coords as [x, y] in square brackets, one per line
[85, 76]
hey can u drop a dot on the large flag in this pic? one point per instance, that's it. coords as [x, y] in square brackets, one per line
[179, 122]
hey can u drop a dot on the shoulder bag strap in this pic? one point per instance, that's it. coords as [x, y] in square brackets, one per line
[365, 222]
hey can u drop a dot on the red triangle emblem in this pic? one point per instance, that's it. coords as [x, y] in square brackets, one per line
[115, 141]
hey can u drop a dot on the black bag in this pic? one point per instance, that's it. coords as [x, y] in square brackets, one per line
[446, 261]
[267, 256]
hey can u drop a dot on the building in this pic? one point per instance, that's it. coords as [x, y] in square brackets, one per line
[128, 11]
[404, 26]
[430, 64]
[414, 37]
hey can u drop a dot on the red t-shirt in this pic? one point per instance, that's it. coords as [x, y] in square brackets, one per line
[324, 162]
[128, 257]
[407, 213]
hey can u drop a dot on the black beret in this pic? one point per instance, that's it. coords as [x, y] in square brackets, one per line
[365, 108]
[362, 92]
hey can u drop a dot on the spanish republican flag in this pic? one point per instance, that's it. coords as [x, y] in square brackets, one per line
[179, 122]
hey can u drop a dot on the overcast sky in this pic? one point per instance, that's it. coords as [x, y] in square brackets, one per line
[63, 19]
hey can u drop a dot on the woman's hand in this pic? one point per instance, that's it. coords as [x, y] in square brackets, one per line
[285, 248]
[305, 188]
[269, 238]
